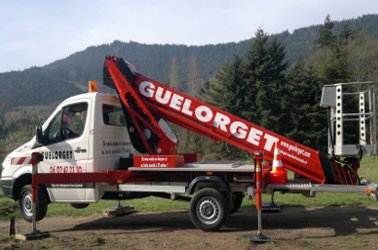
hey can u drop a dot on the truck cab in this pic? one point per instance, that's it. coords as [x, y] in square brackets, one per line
[85, 133]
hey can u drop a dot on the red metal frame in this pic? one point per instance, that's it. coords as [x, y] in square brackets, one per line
[111, 177]
[165, 146]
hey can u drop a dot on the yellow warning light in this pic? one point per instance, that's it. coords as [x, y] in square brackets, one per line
[370, 191]
[120, 181]
[92, 86]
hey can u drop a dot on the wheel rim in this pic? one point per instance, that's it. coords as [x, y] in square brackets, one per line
[208, 210]
[27, 205]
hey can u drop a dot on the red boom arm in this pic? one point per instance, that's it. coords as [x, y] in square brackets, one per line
[155, 100]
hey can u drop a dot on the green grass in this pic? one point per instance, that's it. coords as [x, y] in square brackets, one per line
[369, 170]
[148, 204]
[8, 207]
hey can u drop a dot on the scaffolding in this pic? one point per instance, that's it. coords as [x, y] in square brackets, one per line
[352, 118]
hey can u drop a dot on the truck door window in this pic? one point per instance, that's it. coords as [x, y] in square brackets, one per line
[113, 115]
[69, 123]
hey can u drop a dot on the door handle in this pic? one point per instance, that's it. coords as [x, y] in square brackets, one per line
[80, 150]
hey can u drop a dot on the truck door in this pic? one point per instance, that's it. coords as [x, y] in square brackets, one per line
[66, 150]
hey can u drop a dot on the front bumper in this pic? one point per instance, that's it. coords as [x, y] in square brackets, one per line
[7, 187]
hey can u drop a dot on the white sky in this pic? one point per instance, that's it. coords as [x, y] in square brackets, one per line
[38, 32]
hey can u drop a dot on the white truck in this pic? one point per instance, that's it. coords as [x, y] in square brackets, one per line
[126, 137]
[87, 133]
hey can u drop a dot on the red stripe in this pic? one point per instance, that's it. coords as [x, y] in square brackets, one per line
[21, 160]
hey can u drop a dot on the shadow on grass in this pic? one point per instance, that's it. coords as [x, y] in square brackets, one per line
[343, 221]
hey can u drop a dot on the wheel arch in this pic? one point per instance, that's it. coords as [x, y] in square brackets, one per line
[23, 180]
[208, 181]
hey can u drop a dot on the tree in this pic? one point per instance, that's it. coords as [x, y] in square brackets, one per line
[264, 74]
[273, 115]
[253, 89]
[345, 35]
[362, 58]
[334, 68]
[326, 37]
[174, 78]
[227, 93]
[307, 120]
[331, 58]
[277, 55]
[254, 75]
[191, 142]
[194, 83]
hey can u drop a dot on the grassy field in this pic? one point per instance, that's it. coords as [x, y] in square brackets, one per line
[369, 170]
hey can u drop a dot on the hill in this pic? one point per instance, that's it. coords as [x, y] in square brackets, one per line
[69, 76]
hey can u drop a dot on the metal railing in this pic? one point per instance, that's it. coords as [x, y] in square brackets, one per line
[352, 118]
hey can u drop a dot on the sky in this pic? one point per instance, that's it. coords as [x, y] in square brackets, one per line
[38, 32]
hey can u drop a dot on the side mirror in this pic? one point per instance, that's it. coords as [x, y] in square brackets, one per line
[41, 138]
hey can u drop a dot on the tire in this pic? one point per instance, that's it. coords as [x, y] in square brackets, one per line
[79, 205]
[208, 209]
[25, 203]
[236, 201]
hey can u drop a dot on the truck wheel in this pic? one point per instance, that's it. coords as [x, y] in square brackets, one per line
[208, 209]
[79, 205]
[25, 203]
[237, 201]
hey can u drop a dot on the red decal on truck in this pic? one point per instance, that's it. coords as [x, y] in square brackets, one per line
[158, 161]
[20, 160]
[65, 169]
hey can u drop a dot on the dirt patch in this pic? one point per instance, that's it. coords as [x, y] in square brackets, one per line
[292, 228]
